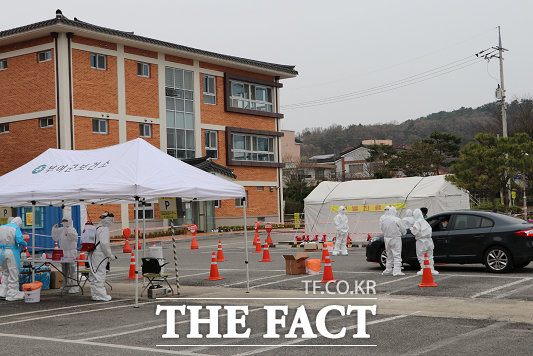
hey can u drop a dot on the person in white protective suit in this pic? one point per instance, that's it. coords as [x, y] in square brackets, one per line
[408, 221]
[393, 229]
[385, 214]
[67, 237]
[11, 244]
[424, 243]
[341, 224]
[98, 258]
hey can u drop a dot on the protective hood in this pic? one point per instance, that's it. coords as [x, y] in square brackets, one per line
[342, 210]
[392, 211]
[17, 221]
[68, 217]
[386, 211]
[417, 215]
[10, 220]
[107, 221]
[408, 213]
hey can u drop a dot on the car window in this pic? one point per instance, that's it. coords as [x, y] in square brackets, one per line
[487, 223]
[439, 223]
[463, 222]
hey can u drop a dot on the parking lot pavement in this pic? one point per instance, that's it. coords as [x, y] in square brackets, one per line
[471, 310]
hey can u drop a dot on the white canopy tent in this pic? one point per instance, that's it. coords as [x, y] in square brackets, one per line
[124, 173]
[365, 201]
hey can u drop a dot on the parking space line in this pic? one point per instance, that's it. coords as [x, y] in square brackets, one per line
[148, 350]
[62, 308]
[513, 292]
[414, 286]
[457, 338]
[395, 280]
[253, 280]
[501, 287]
[266, 284]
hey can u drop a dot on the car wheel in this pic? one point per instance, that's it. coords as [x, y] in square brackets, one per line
[382, 257]
[498, 259]
[520, 265]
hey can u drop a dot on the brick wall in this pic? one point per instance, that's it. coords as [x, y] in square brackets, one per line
[133, 132]
[94, 211]
[235, 71]
[26, 44]
[260, 203]
[171, 58]
[94, 89]
[16, 151]
[85, 139]
[26, 85]
[95, 43]
[140, 52]
[142, 94]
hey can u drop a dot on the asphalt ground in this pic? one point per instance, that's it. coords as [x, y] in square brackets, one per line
[471, 312]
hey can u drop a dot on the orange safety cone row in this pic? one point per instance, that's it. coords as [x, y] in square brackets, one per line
[82, 258]
[220, 253]
[132, 268]
[213, 275]
[266, 255]
[328, 272]
[325, 253]
[258, 248]
[194, 244]
[427, 276]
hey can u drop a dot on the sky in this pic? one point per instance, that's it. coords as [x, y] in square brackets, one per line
[359, 62]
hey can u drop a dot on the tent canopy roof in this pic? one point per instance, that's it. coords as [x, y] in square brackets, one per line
[114, 174]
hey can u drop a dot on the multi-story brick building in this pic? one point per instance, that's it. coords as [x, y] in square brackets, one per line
[69, 84]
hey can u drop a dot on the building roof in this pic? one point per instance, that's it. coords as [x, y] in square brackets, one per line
[321, 157]
[61, 19]
[206, 164]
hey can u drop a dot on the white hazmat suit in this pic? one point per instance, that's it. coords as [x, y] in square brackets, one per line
[408, 221]
[424, 243]
[98, 259]
[67, 237]
[393, 229]
[341, 224]
[11, 244]
[385, 214]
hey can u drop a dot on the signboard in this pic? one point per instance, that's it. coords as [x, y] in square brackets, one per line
[193, 229]
[26, 237]
[268, 227]
[365, 208]
[29, 219]
[256, 226]
[168, 208]
[5, 213]
[296, 220]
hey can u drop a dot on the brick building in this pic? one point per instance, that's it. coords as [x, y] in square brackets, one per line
[69, 84]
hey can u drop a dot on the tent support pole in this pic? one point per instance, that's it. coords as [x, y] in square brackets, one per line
[144, 229]
[33, 240]
[175, 259]
[136, 251]
[246, 246]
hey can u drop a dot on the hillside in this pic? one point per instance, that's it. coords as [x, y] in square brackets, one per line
[463, 122]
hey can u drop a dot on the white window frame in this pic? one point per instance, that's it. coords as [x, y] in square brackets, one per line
[208, 138]
[142, 130]
[238, 201]
[46, 54]
[216, 203]
[250, 151]
[49, 122]
[148, 208]
[143, 69]
[210, 89]
[248, 99]
[3, 64]
[97, 56]
[4, 128]
[99, 127]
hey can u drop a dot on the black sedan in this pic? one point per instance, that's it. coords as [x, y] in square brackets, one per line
[498, 241]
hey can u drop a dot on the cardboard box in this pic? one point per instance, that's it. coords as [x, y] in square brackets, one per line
[313, 246]
[157, 292]
[56, 280]
[295, 265]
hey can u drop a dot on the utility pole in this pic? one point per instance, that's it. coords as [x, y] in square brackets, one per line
[504, 113]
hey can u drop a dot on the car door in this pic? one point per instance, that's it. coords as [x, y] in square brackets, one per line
[440, 236]
[467, 238]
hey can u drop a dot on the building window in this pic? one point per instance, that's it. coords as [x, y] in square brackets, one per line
[252, 148]
[356, 168]
[217, 203]
[211, 144]
[28, 220]
[44, 56]
[239, 201]
[99, 126]
[47, 122]
[145, 130]
[259, 189]
[98, 61]
[250, 96]
[3, 64]
[148, 209]
[4, 128]
[143, 69]
[319, 174]
[179, 112]
[210, 96]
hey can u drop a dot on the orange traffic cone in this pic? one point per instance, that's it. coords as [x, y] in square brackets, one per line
[269, 240]
[56, 246]
[213, 275]
[258, 248]
[132, 268]
[325, 253]
[324, 240]
[220, 253]
[127, 247]
[153, 244]
[82, 258]
[328, 272]
[427, 277]
[194, 244]
[266, 255]
[257, 240]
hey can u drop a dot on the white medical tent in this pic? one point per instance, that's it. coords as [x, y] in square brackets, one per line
[110, 175]
[366, 199]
